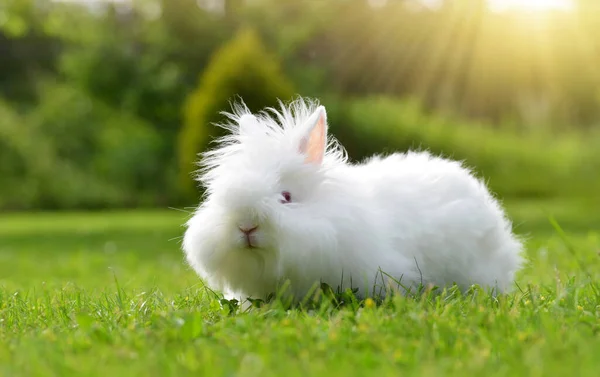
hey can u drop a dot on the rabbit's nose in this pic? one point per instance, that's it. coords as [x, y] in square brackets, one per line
[248, 230]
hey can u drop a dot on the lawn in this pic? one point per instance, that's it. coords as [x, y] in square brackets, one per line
[109, 294]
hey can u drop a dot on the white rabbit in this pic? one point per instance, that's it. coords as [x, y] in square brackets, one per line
[282, 203]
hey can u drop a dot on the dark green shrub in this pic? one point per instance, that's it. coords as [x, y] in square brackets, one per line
[72, 151]
[242, 68]
[17, 159]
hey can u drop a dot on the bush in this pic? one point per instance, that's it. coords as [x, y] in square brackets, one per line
[16, 160]
[242, 68]
[71, 151]
[515, 165]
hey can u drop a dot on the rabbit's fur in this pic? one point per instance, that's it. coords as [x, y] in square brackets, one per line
[418, 218]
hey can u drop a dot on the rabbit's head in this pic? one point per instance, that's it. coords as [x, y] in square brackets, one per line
[267, 197]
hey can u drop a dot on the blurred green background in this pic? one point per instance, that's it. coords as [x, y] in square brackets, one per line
[105, 104]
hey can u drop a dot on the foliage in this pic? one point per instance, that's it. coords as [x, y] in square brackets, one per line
[73, 151]
[529, 77]
[515, 163]
[108, 293]
[15, 143]
[27, 51]
[242, 68]
[135, 60]
[142, 61]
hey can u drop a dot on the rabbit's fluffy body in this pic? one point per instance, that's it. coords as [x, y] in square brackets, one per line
[413, 217]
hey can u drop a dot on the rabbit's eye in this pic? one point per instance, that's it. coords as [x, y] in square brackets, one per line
[287, 197]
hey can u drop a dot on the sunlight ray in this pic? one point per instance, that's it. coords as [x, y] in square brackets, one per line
[531, 5]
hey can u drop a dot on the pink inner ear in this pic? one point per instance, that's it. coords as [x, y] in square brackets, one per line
[302, 148]
[313, 145]
[316, 143]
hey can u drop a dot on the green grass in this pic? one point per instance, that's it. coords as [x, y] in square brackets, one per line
[109, 294]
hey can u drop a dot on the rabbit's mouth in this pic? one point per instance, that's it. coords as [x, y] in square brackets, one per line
[250, 242]
[249, 235]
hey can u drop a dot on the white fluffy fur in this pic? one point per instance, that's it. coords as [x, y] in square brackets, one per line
[417, 217]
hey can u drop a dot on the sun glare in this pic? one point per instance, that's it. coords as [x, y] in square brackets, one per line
[531, 5]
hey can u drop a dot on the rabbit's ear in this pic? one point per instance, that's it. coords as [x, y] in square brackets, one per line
[249, 125]
[314, 141]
